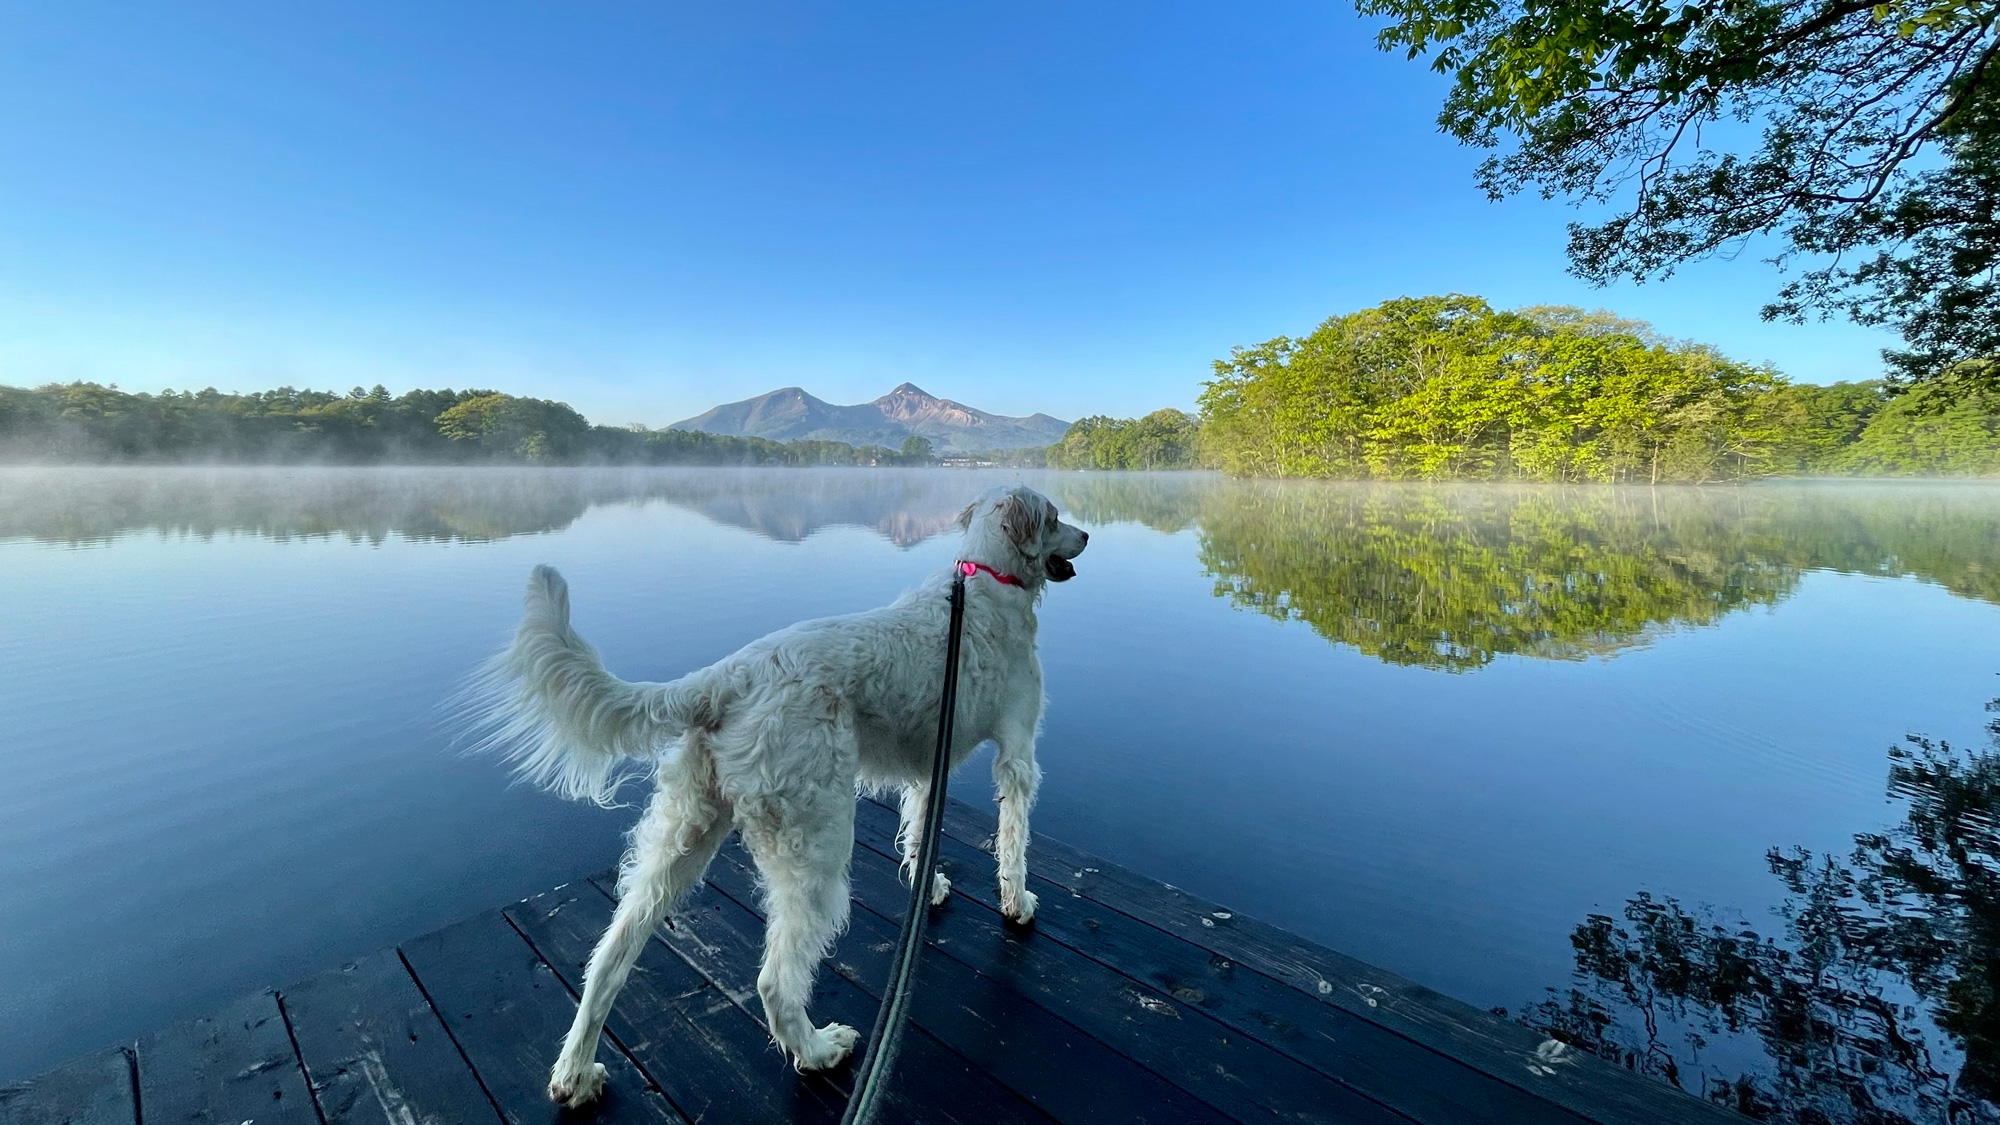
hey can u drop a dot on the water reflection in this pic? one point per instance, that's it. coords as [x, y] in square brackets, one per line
[1878, 1004]
[1451, 577]
[1446, 577]
[80, 507]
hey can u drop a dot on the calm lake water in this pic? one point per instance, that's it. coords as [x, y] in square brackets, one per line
[1433, 727]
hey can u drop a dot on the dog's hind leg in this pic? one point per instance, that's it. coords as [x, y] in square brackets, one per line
[671, 847]
[802, 849]
[909, 838]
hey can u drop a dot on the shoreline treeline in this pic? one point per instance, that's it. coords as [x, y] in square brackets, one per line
[85, 423]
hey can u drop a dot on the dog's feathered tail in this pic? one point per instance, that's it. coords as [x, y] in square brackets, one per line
[548, 705]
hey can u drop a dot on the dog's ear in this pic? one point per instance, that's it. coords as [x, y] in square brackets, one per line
[965, 517]
[1021, 519]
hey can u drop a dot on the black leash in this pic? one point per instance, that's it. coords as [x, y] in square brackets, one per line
[871, 1076]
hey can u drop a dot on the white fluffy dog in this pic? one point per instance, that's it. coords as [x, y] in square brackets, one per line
[774, 740]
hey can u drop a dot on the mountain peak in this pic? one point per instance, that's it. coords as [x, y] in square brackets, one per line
[792, 413]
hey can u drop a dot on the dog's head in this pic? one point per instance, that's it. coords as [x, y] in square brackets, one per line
[1015, 530]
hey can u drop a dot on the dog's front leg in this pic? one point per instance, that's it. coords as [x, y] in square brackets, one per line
[910, 837]
[1016, 777]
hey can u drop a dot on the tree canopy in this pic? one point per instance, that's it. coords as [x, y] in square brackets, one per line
[1448, 387]
[532, 429]
[1164, 439]
[1861, 130]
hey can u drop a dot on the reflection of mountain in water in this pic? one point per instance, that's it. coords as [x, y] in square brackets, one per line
[789, 505]
[1444, 577]
[91, 505]
[1880, 1003]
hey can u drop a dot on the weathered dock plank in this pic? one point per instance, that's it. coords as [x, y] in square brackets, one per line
[508, 1010]
[97, 1089]
[1366, 1057]
[1237, 1075]
[1038, 1054]
[1586, 1086]
[1128, 1000]
[234, 1066]
[933, 1083]
[376, 1053]
[705, 1053]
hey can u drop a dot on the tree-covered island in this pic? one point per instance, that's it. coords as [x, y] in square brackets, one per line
[1449, 388]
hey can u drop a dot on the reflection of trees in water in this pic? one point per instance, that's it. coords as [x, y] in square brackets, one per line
[1452, 576]
[87, 505]
[1943, 533]
[1166, 502]
[1877, 1005]
[1442, 576]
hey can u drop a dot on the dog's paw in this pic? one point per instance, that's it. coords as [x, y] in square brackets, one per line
[940, 889]
[826, 1048]
[1019, 906]
[572, 1087]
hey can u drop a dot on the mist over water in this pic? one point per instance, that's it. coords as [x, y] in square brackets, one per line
[1432, 727]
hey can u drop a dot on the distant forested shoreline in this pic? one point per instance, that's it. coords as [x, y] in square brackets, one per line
[85, 423]
[1426, 388]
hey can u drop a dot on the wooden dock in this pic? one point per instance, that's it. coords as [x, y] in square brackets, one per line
[1127, 1000]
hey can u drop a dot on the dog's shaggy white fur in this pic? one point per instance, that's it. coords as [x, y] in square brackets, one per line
[774, 741]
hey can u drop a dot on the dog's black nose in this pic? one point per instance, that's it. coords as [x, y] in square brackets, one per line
[1086, 537]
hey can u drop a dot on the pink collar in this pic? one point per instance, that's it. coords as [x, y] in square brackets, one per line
[971, 568]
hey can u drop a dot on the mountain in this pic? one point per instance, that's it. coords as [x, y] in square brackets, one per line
[790, 414]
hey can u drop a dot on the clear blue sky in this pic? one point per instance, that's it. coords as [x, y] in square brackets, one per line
[647, 208]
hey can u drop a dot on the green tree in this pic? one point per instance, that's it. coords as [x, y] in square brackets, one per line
[1709, 122]
[1927, 432]
[1812, 425]
[1164, 439]
[1440, 388]
[531, 428]
[918, 450]
[1931, 275]
[1305, 408]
